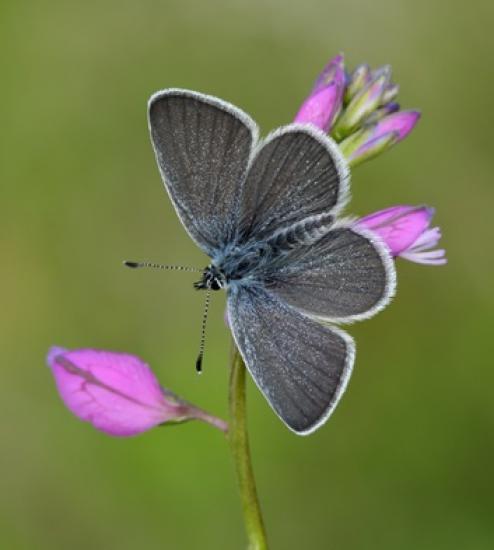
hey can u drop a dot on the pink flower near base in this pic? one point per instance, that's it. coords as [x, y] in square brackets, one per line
[405, 230]
[117, 392]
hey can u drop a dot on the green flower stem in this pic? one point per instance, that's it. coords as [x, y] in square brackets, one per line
[239, 444]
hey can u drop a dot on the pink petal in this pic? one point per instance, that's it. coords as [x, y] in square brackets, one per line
[401, 122]
[428, 239]
[334, 71]
[116, 392]
[399, 226]
[433, 257]
[320, 108]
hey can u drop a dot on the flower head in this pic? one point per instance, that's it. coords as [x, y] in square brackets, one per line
[359, 110]
[117, 392]
[406, 232]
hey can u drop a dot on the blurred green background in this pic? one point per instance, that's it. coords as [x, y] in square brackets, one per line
[407, 460]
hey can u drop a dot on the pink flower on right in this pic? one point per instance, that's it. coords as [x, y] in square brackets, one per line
[359, 111]
[407, 233]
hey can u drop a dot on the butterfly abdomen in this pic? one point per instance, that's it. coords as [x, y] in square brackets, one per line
[247, 262]
[303, 233]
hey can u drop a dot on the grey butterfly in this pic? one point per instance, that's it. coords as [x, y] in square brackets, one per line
[265, 212]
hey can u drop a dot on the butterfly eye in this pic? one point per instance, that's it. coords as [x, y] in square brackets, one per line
[215, 284]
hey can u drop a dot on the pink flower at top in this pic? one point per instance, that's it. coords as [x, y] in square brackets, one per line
[405, 230]
[358, 109]
[325, 100]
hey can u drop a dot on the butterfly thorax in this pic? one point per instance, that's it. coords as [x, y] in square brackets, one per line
[246, 263]
[230, 267]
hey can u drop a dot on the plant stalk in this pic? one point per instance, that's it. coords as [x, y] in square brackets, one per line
[239, 444]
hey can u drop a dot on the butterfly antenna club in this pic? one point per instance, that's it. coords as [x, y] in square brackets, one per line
[203, 332]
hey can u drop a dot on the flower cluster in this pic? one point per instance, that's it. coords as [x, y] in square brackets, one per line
[360, 112]
[358, 109]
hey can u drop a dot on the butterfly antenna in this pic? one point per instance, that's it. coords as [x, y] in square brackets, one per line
[135, 265]
[203, 332]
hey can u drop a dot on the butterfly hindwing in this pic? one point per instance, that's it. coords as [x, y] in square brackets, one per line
[301, 366]
[345, 275]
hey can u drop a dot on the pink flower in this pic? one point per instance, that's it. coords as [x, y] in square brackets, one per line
[401, 123]
[405, 230]
[325, 100]
[117, 392]
[374, 138]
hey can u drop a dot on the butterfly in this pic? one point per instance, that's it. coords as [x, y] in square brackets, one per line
[265, 212]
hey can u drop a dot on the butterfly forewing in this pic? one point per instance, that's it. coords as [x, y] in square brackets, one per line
[297, 172]
[202, 146]
[301, 366]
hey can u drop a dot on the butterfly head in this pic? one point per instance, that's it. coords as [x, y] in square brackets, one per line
[212, 279]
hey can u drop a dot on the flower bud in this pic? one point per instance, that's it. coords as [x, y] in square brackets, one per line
[320, 108]
[402, 123]
[405, 230]
[382, 112]
[362, 105]
[117, 392]
[390, 93]
[384, 70]
[360, 77]
[360, 146]
[374, 139]
[324, 102]
[333, 73]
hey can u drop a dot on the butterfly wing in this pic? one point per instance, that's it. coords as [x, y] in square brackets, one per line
[301, 366]
[297, 172]
[202, 146]
[297, 177]
[344, 276]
